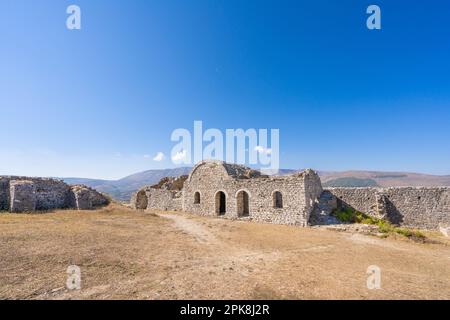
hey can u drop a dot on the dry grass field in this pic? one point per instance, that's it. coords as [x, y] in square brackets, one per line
[125, 254]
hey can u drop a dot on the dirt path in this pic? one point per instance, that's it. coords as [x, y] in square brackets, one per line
[191, 227]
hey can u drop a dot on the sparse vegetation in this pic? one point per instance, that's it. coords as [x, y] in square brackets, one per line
[349, 215]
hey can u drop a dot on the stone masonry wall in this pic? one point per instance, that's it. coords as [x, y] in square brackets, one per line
[210, 178]
[51, 194]
[417, 207]
[4, 194]
[24, 194]
[164, 199]
[161, 199]
[313, 190]
[218, 189]
[86, 198]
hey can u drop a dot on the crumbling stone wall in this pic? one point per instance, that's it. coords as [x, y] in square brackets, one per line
[4, 194]
[164, 199]
[417, 207]
[51, 194]
[139, 199]
[161, 199]
[86, 198]
[25, 194]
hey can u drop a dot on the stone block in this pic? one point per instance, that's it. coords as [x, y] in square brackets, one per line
[23, 196]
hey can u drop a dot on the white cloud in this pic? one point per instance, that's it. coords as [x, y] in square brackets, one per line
[179, 155]
[146, 156]
[159, 157]
[261, 149]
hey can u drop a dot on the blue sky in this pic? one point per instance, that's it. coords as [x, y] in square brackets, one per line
[102, 101]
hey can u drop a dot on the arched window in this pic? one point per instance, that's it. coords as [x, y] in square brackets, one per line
[197, 198]
[277, 200]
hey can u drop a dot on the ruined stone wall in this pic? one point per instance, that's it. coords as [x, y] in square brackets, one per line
[51, 194]
[251, 196]
[164, 199]
[417, 207]
[25, 194]
[313, 190]
[47, 193]
[361, 199]
[4, 194]
[86, 198]
[210, 178]
[161, 199]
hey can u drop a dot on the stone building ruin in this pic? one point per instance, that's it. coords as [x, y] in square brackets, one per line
[216, 188]
[25, 194]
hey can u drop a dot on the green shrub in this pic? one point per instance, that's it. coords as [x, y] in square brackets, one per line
[349, 215]
[345, 215]
[385, 227]
[415, 234]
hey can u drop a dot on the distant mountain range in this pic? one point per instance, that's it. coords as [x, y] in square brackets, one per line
[382, 179]
[122, 189]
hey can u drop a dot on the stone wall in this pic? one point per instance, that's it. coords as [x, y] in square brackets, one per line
[165, 199]
[219, 189]
[86, 198]
[211, 180]
[216, 188]
[25, 194]
[51, 194]
[417, 207]
[161, 199]
[4, 194]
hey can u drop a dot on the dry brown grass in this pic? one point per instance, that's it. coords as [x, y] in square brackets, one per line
[125, 254]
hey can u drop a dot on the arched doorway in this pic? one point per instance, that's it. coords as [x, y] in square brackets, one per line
[221, 203]
[141, 200]
[242, 204]
[197, 198]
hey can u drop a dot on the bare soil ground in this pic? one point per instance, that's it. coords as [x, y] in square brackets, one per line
[125, 254]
